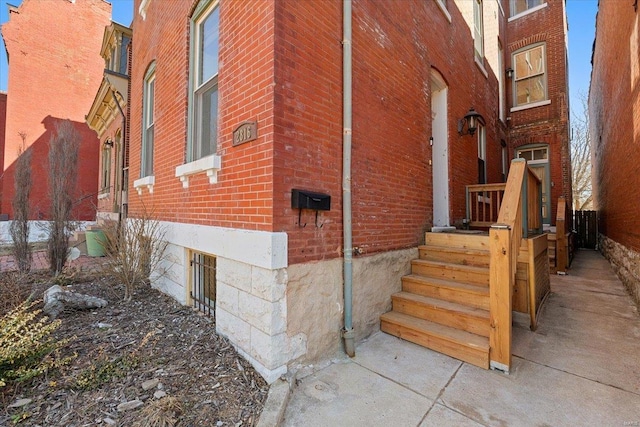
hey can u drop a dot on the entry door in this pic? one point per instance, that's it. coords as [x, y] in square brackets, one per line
[440, 151]
[538, 160]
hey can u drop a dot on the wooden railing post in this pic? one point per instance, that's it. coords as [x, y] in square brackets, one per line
[561, 237]
[525, 204]
[500, 295]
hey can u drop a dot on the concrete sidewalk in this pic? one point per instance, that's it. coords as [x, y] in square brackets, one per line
[40, 262]
[581, 367]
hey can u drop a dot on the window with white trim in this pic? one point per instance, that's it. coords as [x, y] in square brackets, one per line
[519, 6]
[204, 81]
[530, 78]
[105, 176]
[478, 31]
[482, 155]
[148, 123]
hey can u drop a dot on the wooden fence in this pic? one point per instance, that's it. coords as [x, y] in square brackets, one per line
[585, 223]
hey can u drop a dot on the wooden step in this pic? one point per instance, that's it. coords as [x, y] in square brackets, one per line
[461, 293]
[458, 240]
[462, 345]
[459, 273]
[470, 319]
[462, 256]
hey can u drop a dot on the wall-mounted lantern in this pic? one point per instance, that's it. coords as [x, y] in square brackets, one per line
[509, 72]
[470, 122]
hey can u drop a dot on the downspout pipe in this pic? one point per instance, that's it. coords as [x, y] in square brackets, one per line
[347, 332]
[122, 148]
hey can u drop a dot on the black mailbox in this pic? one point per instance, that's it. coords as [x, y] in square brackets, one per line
[303, 199]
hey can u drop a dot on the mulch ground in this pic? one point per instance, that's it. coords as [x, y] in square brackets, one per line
[144, 362]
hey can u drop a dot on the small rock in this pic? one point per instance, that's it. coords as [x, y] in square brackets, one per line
[109, 421]
[104, 325]
[219, 424]
[20, 403]
[159, 394]
[149, 384]
[127, 406]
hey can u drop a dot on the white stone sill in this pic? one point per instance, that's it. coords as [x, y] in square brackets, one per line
[210, 165]
[480, 66]
[444, 10]
[147, 181]
[532, 105]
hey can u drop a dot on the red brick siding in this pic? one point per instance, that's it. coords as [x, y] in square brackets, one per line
[614, 113]
[281, 65]
[55, 70]
[548, 124]
[242, 198]
[3, 122]
[391, 175]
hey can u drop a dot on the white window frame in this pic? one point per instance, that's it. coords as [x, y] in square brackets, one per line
[515, 15]
[105, 175]
[442, 4]
[516, 78]
[478, 31]
[482, 150]
[147, 177]
[502, 109]
[196, 162]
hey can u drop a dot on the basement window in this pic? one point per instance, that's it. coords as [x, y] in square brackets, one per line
[203, 282]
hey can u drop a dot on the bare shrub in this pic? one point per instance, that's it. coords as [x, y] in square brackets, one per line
[19, 228]
[63, 167]
[581, 157]
[135, 249]
[160, 413]
[13, 291]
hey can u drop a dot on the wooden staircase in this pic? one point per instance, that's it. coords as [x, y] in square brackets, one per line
[444, 303]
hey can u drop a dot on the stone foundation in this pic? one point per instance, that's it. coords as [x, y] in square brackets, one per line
[275, 314]
[315, 299]
[625, 263]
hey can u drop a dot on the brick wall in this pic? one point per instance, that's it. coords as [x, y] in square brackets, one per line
[55, 70]
[242, 198]
[281, 65]
[547, 124]
[3, 118]
[614, 113]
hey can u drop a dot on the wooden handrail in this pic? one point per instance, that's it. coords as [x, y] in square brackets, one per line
[483, 203]
[519, 213]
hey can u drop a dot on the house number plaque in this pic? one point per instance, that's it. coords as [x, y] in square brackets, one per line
[245, 132]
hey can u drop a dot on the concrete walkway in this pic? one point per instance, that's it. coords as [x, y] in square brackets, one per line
[580, 368]
[39, 262]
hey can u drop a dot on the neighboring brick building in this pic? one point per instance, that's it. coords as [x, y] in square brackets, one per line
[200, 92]
[3, 123]
[614, 117]
[107, 116]
[54, 71]
[538, 96]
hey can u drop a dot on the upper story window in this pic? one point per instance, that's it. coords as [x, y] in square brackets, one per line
[105, 177]
[117, 59]
[520, 6]
[478, 30]
[530, 78]
[148, 123]
[124, 55]
[204, 74]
